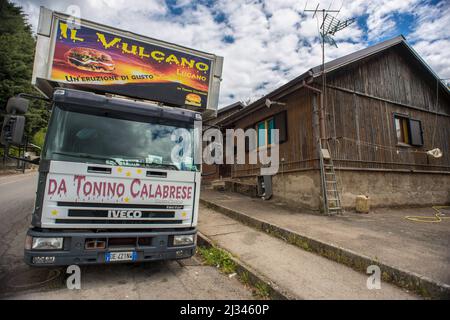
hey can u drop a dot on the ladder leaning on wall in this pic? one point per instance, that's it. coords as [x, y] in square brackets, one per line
[331, 200]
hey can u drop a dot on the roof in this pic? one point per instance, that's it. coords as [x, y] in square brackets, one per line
[358, 55]
[237, 104]
[225, 112]
[336, 64]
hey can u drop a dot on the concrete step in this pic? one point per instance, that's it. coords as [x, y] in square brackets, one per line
[304, 275]
[218, 185]
[247, 189]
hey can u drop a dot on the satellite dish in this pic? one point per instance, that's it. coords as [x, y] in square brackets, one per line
[268, 103]
[436, 153]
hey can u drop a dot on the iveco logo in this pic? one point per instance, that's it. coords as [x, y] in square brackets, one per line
[124, 214]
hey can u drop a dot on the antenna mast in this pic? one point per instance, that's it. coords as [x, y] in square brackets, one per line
[330, 25]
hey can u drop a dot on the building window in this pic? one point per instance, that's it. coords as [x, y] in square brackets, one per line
[271, 126]
[264, 132]
[401, 129]
[408, 131]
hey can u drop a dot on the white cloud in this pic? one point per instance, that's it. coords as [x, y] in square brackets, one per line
[431, 38]
[437, 55]
[271, 41]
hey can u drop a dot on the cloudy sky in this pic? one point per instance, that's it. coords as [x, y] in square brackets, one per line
[269, 42]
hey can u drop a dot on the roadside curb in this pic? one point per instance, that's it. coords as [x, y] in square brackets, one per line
[421, 285]
[254, 277]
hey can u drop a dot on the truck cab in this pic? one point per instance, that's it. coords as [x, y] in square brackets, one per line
[117, 182]
[119, 172]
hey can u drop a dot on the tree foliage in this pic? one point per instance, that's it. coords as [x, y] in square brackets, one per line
[39, 137]
[17, 45]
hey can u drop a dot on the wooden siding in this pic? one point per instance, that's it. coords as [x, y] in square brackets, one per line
[361, 100]
[361, 103]
[299, 151]
[393, 75]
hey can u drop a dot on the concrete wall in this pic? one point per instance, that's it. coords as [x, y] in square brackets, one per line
[301, 190]
[390, 189]
[298, 189]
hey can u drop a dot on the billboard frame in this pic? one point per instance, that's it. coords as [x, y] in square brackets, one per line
[45, 48]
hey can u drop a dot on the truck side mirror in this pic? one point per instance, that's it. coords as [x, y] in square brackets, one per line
[17, 105]
[14, 125]
[12, 130]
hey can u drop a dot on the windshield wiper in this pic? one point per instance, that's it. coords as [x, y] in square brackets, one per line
[161, 165]
[85, 155]
[169, 166]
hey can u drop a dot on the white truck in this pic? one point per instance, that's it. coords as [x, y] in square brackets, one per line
[117, 177]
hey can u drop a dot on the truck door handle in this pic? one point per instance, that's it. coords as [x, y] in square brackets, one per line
[159, 174]
[99, 170]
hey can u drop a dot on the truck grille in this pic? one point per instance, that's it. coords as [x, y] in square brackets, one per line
[104, 214]
[118, 214]
[110, 221]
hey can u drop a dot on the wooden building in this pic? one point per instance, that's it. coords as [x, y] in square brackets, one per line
[214, 172]
[383, 109]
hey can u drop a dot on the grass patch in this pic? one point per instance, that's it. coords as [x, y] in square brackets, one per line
[222, 260]
[245, 278]
[218, 258]
[262, 290]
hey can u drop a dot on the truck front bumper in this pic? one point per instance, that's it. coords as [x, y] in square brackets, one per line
[146, 246]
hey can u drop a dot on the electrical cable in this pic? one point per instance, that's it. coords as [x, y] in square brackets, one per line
[436, 218]
[379, 146]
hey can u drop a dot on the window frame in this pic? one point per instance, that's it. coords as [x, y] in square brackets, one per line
[404, 129]
[405, 123]
[266, 132]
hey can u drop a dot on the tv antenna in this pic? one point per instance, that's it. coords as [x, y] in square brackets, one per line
[330, 25]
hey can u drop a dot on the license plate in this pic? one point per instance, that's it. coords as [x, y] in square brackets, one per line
[121, 256]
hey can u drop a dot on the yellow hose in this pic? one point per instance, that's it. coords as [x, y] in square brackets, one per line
[438, 216]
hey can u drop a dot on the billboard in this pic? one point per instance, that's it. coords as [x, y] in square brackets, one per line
[99, 58]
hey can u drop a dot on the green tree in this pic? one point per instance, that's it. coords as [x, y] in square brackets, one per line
[39, 137]
[17, 45]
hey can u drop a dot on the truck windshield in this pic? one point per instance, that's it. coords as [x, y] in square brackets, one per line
[83, 137]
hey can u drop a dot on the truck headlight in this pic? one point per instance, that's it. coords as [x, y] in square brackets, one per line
[183, 240]
[47, 243]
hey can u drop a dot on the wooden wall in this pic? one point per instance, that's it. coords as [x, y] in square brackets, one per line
[214, 172]
[299, 151]
[361, 102]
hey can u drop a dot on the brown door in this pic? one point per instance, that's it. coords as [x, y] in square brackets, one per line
[225, 170]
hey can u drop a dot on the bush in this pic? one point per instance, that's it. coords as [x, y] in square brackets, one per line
[39, 137]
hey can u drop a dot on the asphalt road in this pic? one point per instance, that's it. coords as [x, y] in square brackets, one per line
[185, 279]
